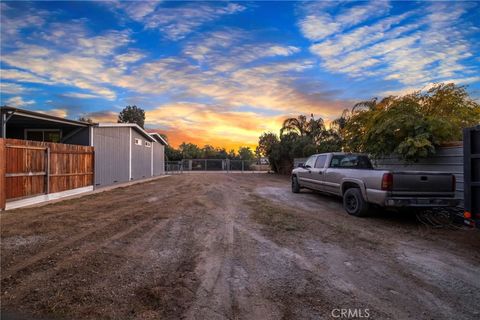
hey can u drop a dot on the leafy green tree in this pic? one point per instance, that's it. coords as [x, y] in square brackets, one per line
[312, 128]
[221, 153]
[268, 144]
[132, 114]
[208, 152]
[172, 154]
[190, 151]
[245, 153]
[232, 155]
[411, 126]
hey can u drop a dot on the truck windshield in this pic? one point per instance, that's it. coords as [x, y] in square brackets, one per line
[351, 161]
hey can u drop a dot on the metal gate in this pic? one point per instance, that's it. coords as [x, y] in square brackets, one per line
[216, 165]
[471, 158]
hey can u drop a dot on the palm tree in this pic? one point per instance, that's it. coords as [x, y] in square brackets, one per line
[340, 123]
[298, 125]
[365, 105]
[312, 127]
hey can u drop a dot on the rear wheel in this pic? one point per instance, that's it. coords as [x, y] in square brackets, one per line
[295, 185]
[354, 203]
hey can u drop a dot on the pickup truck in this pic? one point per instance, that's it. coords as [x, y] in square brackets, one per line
[352, 177]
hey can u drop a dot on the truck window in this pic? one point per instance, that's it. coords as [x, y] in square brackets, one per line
[350, 162]
[320, 163]
[310, 162]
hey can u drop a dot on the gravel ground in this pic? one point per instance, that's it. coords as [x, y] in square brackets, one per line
[230, 246]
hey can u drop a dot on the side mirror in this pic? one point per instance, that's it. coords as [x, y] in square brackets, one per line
[300, 165]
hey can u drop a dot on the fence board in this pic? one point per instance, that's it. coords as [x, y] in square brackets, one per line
[34, 168]
[3, 187]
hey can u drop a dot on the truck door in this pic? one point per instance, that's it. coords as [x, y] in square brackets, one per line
[317, 173]
[334, 173]
[305, 175]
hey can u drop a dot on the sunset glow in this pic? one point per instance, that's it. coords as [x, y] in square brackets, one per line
[221, 73]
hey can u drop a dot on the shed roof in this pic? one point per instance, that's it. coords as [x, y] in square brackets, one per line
[159, 138]
[130, 125]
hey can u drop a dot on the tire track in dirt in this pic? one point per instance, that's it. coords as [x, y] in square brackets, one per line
[112, 218]
[374, 249]
[214, 298]
[211, 259]
[63, 245]
[76, 258]
[146, 230]
[86, 250]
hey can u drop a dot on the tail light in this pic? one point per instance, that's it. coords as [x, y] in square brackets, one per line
[387, 181]
[454, 182]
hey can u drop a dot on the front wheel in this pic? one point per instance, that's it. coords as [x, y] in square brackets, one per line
[295, 185]
[354, 203]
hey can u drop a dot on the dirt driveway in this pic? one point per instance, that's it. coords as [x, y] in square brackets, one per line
[230, 246]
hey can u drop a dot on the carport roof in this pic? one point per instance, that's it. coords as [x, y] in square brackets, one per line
[41, 116]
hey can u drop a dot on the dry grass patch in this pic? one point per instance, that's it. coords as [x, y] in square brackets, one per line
[267, 213]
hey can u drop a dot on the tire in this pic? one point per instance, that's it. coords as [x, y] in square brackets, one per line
[354, 203]
[295, 185]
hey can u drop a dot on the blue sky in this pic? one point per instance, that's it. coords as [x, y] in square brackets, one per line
[223, 72]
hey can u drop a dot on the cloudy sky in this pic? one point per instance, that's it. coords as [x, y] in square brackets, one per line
[220, 72]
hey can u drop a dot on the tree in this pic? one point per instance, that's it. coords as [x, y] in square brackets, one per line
[299, 137]
[232, 155]
[245, 153]
[85, 119]
[266, 143]
[190, 151]
[172, 154]
[267, 146]
[365, 105]
[411, 126]
[208, 152]
[132, 114]
[313, 128]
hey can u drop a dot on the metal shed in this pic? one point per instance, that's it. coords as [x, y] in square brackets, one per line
[125, 152]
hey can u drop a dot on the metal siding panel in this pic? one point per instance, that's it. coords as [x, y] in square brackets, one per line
[141, 156]
[158, 159]
[111, 155]
[447, 159]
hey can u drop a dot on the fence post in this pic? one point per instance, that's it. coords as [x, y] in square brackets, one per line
[243, 162]
[3, 169]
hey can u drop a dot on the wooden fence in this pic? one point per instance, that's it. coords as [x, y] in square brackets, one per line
[30, 168]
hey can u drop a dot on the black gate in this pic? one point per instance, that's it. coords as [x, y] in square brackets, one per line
[471, 158]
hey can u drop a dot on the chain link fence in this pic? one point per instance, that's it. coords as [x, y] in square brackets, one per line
[215, 165]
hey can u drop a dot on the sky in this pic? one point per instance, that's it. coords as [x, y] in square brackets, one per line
[221, 73]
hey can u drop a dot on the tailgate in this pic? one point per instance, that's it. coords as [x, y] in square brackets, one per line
[420, 184]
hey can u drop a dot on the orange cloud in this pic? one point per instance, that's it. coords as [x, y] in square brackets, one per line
[203, 124]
